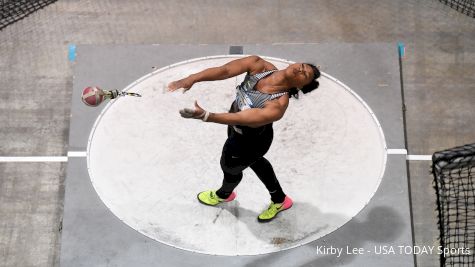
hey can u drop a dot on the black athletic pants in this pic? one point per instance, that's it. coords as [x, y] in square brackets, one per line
[247, 150]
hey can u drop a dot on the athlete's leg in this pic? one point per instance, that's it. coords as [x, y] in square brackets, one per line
[232, 164]
[238, 153]
[280, 201]
[265, 172]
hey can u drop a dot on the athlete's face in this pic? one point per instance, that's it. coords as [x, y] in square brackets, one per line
[301, 73]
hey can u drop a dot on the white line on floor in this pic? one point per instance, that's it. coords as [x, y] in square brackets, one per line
[408, 157]
[83, 154]
[419, 157]
[33, 159]
[397, 151]
[72, 154]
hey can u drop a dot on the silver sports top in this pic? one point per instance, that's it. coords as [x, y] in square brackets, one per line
[247, 97]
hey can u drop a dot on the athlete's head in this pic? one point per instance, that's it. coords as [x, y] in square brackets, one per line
[304, 76]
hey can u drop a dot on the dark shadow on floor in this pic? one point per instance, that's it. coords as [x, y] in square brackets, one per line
[381, 225]
[291, 227]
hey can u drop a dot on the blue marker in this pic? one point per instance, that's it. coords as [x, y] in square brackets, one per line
[402, 49]
[72, 52]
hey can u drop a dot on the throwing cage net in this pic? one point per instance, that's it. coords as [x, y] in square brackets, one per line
[466, 7]
[454, 177]
[14, 10]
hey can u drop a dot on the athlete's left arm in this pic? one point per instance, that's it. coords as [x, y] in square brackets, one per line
[254, 117]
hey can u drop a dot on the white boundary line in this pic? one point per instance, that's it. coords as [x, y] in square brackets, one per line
[33, 159]
[419, 157]
[397, 151]
[409, 157]
[83, 154]
[71, 154]
[77, 154]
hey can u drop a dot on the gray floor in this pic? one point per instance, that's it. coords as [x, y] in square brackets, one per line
[93, 236]
[36, 82]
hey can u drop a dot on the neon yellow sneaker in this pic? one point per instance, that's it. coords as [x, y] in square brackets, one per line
[210, 198]
[274, 208]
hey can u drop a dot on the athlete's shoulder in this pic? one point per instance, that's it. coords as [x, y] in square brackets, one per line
[258, 59]
[258, 64]
[254, 58]
[255, 61]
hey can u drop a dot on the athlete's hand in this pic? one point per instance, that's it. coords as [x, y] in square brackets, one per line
[185, 83]
[195, 113]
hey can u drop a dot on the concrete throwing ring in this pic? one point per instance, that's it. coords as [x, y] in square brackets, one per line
[147, 164]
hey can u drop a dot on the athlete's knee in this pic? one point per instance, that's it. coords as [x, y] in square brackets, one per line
[261, 163]
[230, 165]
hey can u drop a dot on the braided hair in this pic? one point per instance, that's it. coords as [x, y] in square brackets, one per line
[310, 86]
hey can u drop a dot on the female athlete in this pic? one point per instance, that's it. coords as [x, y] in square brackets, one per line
[261, 99]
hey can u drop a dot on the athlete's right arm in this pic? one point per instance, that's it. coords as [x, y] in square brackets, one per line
[228, 70]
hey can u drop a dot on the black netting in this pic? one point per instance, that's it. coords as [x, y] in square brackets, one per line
[454, 177]
[14, 10]
[467, 7]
